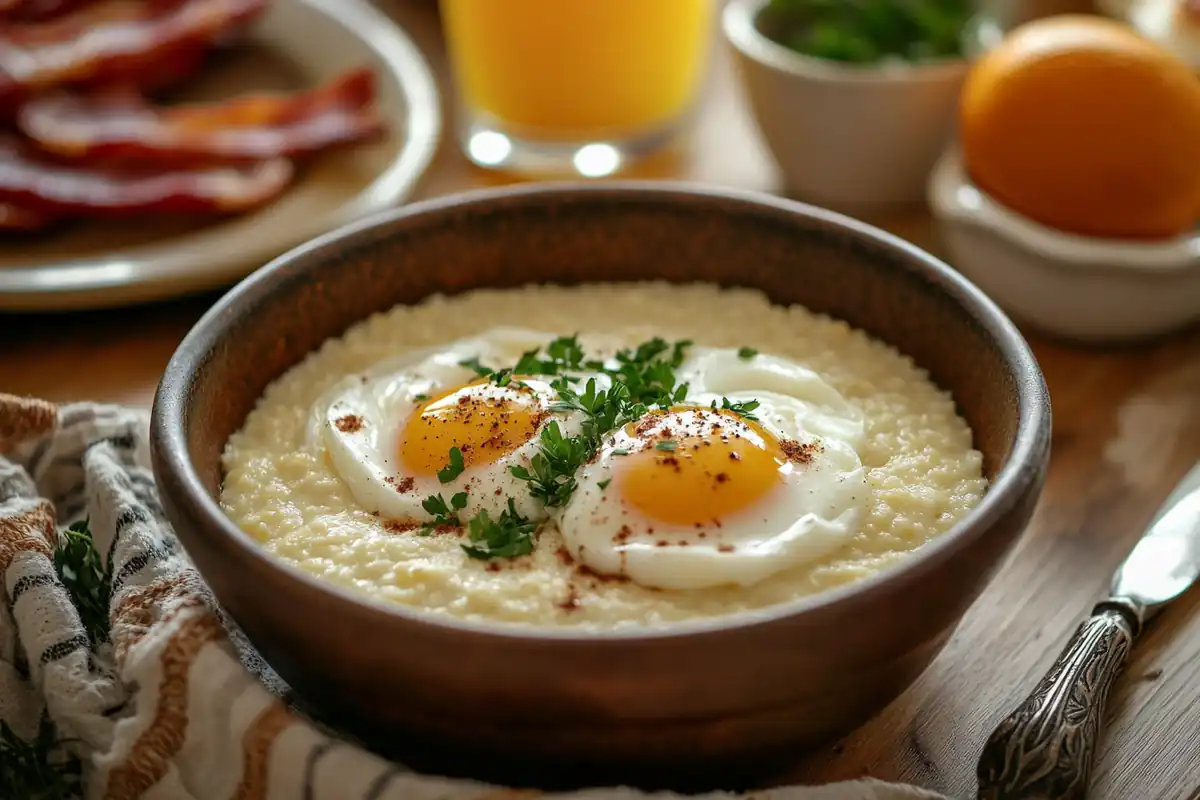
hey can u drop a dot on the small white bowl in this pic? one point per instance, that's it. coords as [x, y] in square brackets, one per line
[1076, 287]
[1157, 20]
[849, 137]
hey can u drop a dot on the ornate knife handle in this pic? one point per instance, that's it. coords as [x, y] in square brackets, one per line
[1044, 749]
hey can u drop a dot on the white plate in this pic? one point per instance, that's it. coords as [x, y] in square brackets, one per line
[298, 43]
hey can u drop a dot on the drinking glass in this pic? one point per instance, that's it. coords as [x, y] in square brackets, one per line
[574, 86]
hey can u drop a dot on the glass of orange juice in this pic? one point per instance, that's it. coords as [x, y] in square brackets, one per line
[574, 86]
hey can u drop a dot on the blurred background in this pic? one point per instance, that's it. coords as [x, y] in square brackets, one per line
[163, 149]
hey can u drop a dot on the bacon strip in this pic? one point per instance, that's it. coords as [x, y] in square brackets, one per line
[123, 127]
[112, 41]
[33, 10]
[16, 218]
[56, 189]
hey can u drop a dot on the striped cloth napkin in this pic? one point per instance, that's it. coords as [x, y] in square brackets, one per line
[119, 676]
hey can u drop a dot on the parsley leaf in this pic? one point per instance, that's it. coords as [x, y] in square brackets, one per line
[436, 506]
[454, 468]
[744, 410]
[479, 369]
[679, 351]
[641, 378]
[650, 378]
[509, 536]
[551, 473]
[565, 352]
[562, 354]
[746, 353]
[33, 769]
[530, 364]
[666, 446]
[82, 572]
[443, 514]
[604, 484]
[500, 377]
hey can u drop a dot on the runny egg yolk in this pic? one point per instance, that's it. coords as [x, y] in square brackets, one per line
[485, 422]
[698, 466]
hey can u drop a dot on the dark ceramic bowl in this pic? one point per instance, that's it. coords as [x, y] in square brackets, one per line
[730, 688]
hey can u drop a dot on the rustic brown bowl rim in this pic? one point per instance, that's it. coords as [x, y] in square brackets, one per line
[173, 467]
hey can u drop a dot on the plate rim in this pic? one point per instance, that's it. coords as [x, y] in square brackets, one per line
[123, 278]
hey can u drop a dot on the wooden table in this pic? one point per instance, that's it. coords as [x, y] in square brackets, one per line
[1127, 425]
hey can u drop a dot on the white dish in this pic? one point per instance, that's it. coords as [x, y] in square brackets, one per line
[1084, 288]
[298, 43]
[848, 137]
[1155, 19]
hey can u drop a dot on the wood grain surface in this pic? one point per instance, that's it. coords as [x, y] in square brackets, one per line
[1127, 426]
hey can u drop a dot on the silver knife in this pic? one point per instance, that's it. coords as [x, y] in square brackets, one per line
[1044, 749]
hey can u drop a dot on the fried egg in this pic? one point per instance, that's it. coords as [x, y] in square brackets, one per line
[702, 495]
[389, 434]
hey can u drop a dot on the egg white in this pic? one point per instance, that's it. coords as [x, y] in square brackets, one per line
[366, 456]
[817, 507]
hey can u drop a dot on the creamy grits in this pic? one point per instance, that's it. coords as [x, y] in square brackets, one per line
[913, 453]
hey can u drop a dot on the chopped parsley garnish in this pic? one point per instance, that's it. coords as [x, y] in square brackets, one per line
[744, 410]
[648, 376]
[454, 468]
[551, 473]
[565, 352]
[442, 513]
[640, 379]
[479, 369]
[604, 484]
[562, 355]
[509, 536]
[420, 398]
[500, 377]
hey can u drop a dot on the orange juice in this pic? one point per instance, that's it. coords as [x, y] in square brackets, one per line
[579, 67]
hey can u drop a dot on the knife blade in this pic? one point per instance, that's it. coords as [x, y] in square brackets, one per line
[1044, 749]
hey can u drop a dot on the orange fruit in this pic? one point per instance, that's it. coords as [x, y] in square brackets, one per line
[1081, 124]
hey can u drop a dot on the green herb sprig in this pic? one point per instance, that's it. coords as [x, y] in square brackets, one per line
[744, 410]
[640, 378]
[35, 769]
[508, 536]
[500, 377]
[563, 354]
[551, 472]
[454, 468]
[443, 513]
[30, 770]
[82, 572]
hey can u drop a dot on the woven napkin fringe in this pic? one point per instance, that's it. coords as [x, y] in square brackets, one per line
[174, 704]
